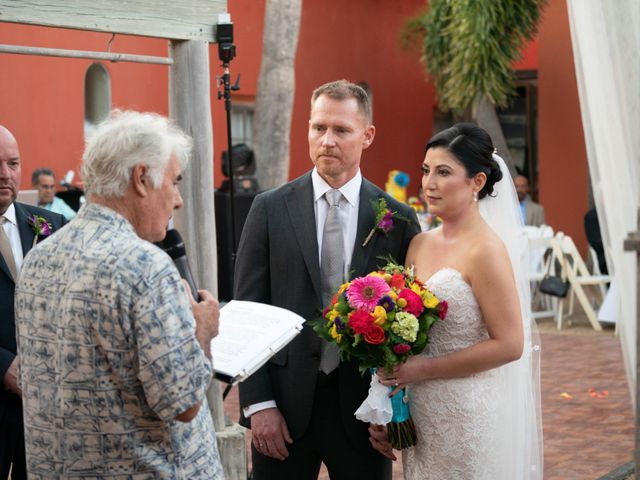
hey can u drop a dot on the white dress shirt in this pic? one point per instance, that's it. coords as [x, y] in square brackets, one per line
[11, 229]
[348, 214]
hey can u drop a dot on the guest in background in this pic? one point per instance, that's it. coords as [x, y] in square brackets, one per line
[592, 231]
[16, 239]
[532, 212]
[114, 356]
[44, 180]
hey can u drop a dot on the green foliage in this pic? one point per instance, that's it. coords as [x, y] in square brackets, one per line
[468, 46]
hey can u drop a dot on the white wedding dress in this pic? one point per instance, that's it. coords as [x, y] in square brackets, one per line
[456, 419]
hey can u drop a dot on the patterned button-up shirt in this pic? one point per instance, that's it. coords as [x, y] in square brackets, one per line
[108, 358]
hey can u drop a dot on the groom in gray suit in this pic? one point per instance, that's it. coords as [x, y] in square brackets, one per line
[300, 241]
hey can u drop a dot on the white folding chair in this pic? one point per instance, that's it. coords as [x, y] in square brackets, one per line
[576, 272]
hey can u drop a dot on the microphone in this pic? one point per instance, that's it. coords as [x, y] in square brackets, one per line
[174, 247]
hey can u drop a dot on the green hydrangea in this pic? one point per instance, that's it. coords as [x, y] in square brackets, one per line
[405, 326]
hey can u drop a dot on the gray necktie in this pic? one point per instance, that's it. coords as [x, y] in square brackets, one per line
[331, 270]
[6, 251]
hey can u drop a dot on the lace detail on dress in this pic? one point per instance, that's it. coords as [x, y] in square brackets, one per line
[455, 418]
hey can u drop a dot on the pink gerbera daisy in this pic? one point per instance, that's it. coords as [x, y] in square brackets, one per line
[365, 292]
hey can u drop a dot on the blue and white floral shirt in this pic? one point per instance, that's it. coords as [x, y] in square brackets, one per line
[108, 358]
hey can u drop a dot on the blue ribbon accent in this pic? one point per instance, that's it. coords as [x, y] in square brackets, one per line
[400, 406]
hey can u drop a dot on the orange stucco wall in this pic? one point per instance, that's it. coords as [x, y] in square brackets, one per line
[561, 150]
[42, 98]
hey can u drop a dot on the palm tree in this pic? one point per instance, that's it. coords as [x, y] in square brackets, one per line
[468, 48]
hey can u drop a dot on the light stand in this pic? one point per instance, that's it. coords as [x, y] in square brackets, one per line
[226, 53]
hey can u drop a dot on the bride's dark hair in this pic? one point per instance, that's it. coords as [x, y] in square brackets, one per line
[473, 148]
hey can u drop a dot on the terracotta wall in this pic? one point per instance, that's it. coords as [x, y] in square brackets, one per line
[42, 98]
[561, 149]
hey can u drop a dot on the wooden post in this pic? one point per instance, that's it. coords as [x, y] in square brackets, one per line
[190, 107]
[633, 243]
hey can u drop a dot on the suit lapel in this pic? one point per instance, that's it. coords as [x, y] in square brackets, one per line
[366, 219]
[26, 232]
[5, 268]
[26, 236]
[299, 203]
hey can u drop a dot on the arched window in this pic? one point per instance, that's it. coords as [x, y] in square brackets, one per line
[97, 96]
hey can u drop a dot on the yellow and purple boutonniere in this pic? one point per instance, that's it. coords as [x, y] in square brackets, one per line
[40, 227]
[384, 219]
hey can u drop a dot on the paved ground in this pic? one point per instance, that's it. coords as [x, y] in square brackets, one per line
[585, 436]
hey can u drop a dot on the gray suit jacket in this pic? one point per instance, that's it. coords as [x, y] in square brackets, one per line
[533, 212]
[278, 264]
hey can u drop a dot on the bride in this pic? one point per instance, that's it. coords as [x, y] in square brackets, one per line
[474, 392]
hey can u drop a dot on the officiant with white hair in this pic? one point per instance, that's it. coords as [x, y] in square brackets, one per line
[106, 327]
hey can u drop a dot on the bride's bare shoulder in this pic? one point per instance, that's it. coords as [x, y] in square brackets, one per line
[487, 249]
[426, 238]
[420, 242]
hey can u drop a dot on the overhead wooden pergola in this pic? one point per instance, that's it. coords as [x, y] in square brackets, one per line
[190, 26]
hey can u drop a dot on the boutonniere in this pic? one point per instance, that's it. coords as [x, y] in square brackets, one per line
[40, 227]
[384, 219]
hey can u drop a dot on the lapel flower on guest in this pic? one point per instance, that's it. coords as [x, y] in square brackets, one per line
[40, 227]
[384, 219]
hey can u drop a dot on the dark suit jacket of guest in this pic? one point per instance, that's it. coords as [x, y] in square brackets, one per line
[10, 403]
[278, 264]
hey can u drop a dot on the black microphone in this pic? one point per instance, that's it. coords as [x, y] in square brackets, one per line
[174, 247]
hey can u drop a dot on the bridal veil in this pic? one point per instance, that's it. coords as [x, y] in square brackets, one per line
[519, 448]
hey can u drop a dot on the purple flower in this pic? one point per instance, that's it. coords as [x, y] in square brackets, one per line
[339, 324]
[39, 225]
[387, 302]
[386, 223]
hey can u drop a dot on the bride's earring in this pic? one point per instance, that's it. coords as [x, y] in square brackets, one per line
[475, 196]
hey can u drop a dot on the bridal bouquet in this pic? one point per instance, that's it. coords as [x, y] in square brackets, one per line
[380, 320]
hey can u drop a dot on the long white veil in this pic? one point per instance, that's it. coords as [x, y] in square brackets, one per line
[520, 439]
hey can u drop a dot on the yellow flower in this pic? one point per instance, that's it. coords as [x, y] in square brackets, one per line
[393, 295]
[429, 300]
[380, 315]
[334, 333]
[387, 277]
[402, 302]
[343, 287]
[417, 288]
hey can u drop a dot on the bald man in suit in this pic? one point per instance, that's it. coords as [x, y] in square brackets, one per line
[16, 239]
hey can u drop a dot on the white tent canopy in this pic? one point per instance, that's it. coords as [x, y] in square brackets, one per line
[606, 47]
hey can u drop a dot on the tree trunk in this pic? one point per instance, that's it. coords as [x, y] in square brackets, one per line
[276, 87]
[484, 113]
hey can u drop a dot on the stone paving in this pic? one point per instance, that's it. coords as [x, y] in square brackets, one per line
[585, 437]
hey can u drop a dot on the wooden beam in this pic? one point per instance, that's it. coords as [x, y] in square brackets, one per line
[182, 20]
[632, 243]
[111, 57]
[190, 107]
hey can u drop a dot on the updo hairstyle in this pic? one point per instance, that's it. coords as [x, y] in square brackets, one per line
[472, 147]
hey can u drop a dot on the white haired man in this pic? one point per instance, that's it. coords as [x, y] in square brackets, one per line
[114, 354]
